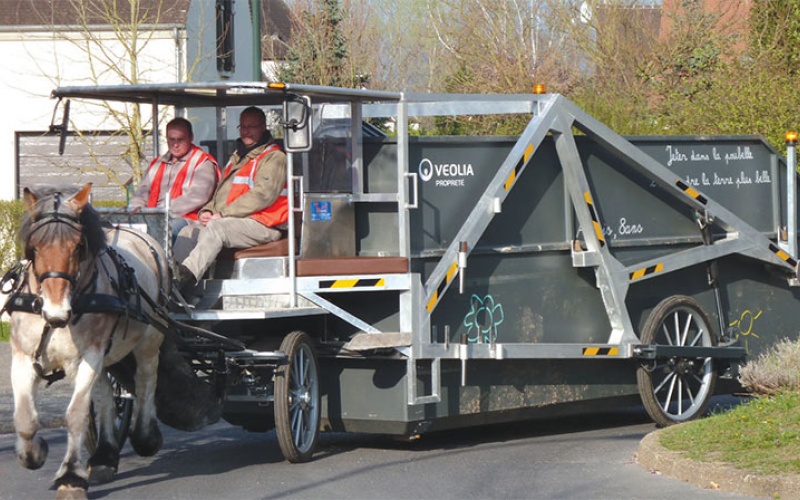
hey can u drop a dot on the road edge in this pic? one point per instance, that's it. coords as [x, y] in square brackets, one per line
[712, 475]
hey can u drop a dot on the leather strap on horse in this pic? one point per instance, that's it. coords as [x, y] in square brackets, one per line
[153, 253]
[53, 376]
[12, 277]
[27, 302]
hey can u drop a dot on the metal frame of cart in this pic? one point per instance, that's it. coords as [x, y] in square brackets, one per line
[289, 293]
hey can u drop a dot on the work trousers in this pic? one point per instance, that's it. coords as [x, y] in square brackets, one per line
[197, 246]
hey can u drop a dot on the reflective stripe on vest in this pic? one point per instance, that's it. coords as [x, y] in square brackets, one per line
[244, 180]
[183, 180]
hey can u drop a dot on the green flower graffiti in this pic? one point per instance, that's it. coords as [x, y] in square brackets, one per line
[483, 319]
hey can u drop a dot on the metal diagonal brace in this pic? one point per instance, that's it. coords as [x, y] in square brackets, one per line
[486, 207]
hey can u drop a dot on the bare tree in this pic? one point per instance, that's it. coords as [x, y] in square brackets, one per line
[504, 46]
[114, 38]
[392, 44]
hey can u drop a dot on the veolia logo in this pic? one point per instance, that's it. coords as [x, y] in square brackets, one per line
[447, 174]
[425, 170]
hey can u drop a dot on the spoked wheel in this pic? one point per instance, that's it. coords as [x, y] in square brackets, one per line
[677, 389]
[123, 402]
[297, 399]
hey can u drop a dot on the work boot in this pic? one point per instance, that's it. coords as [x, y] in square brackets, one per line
[184, 280]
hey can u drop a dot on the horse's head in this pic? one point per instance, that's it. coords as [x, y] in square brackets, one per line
[55, 244]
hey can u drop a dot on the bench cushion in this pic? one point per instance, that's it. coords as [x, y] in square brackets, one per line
[352, 265]
[278, 248]
[322, 267]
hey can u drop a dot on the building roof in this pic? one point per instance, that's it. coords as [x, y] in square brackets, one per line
[276, 24]
[276, 29]
[42, 13]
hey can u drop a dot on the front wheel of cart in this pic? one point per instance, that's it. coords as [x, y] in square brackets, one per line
[675, 389]
[297, 399]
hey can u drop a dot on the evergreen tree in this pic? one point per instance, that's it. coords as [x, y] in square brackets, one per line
[318, 53]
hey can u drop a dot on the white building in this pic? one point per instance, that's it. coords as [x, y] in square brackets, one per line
[47, 43]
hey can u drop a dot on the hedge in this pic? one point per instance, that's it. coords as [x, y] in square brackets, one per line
[10, 247]
[10, 218]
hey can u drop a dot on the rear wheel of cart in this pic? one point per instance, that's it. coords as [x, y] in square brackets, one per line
[676, 389]
[297, 399]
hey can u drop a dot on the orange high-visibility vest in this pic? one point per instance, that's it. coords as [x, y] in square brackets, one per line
[244, 180]
[183, 180]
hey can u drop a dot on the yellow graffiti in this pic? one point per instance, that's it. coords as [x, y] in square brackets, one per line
[745, 326]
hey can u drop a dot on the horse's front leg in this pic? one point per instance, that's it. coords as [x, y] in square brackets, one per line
[72, 478]
[146, 437]
[31, 449]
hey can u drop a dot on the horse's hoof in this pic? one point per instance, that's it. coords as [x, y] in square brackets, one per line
[101, 474]
[147, 444]
[103, 464]
[71, 493]
[35, 455]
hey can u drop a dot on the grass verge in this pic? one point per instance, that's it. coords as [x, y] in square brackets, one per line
[5, 331]
[761, 436]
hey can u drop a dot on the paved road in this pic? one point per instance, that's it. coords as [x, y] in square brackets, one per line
[586, 458]
[591, 457]
[52, 402]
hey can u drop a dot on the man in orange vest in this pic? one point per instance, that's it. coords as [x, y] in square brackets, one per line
[185, 172]
[249, 206]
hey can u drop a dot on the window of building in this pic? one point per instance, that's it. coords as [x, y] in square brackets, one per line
[226, 62]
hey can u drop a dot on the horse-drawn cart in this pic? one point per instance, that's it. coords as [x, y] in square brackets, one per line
[435, 282]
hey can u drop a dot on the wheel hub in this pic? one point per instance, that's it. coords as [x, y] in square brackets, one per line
[684, 366]
[303, 399]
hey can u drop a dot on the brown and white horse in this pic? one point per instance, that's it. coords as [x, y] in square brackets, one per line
[80, 279]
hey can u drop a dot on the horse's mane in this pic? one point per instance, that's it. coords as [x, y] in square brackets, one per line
[50, 199]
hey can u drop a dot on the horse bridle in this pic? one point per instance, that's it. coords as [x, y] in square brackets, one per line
[73, 223]
[54, 217]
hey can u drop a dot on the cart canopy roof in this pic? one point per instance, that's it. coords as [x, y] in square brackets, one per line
[220, 94]
[231, 94]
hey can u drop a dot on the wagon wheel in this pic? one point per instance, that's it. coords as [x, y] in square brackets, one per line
[297, 400]
[123, 402]
[677, 389]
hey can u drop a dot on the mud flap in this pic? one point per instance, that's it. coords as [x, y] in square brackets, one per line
[183, 400]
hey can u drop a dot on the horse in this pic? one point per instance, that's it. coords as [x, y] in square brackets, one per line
[78, 310]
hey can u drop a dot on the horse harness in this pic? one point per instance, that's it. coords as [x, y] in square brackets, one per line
[127, 300]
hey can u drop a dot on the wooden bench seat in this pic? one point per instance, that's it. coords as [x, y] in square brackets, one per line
[352, 265]
[322, 267]
[278, 248]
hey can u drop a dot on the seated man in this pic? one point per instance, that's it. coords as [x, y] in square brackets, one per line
[185, 171]
[249, 206]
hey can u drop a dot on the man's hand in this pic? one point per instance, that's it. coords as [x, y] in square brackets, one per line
[206, 215]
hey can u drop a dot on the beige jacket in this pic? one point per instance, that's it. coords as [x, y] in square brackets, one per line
[270, 180]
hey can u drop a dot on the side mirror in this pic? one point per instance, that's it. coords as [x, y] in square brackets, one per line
[297, 123]
[61, 129]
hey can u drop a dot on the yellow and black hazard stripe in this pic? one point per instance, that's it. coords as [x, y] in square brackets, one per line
[451, 273]
[600, 351]
[598, 229]
[641, 273]
[689, 190]
[783, 255]
[520, 165]
[353, 283]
